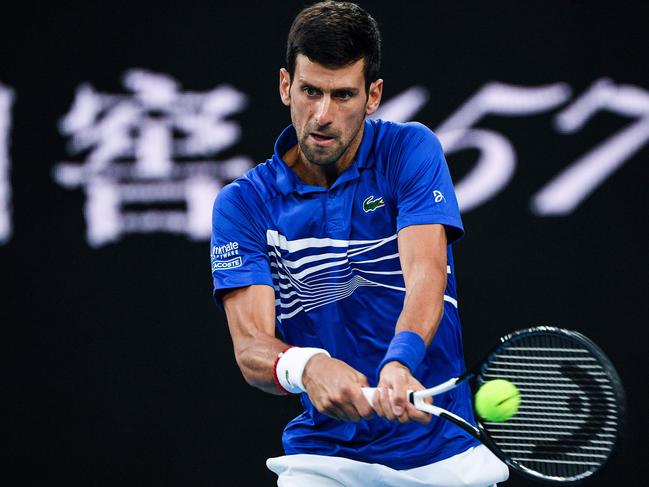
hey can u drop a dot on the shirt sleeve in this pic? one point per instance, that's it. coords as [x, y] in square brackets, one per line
[238, 252]
[424, 188]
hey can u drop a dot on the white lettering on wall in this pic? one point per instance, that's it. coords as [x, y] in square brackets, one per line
[6, 100]
[146, 160]
[575, 183]
[497, 158]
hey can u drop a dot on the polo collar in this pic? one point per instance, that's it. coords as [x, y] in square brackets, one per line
[287, 181]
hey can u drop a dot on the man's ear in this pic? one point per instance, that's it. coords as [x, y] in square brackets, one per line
[374, 97]
[285, 86]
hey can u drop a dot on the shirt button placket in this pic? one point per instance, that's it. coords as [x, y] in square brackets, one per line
[335, 215]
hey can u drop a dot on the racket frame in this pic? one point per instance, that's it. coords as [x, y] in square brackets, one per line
[417, 398]
[616, 383]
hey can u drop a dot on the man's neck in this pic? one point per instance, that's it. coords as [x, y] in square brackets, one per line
[316, 175]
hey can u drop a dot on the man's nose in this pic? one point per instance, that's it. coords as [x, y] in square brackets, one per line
[324, 113]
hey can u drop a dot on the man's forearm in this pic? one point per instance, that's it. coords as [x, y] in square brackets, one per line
[422, 250]
[423, 305]
[256, 359]
[250, 314]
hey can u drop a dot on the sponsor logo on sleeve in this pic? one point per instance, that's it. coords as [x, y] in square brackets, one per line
[438, 196]
[223, 265]
[226, 256]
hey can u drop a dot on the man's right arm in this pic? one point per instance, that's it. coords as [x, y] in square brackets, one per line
[334, 387]
[251, 318]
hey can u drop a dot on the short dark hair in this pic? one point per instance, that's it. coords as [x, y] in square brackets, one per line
[335, 34]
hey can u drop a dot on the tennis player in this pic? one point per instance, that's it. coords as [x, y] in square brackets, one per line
[341, 243]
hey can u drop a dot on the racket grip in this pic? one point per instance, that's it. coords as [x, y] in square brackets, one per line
[368, 392]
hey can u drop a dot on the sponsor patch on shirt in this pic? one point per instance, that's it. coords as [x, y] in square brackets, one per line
[226, 256]
[223, 265]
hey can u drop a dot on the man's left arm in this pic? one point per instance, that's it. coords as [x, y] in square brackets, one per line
[422, 250]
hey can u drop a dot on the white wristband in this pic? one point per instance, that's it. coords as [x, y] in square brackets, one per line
[290, 367]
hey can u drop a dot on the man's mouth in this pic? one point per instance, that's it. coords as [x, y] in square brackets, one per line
[321, 138]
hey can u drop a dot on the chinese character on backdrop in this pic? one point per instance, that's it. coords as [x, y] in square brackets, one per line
[147, 160]
[6, 99]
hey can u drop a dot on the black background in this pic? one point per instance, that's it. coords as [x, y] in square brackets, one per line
[120, 368]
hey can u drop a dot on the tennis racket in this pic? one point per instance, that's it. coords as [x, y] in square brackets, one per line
[572, 408]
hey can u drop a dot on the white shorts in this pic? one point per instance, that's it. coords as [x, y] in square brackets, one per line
[476, 467]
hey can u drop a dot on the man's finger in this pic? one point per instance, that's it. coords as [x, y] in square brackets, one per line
[333, 413]
[332, 410]
[399, 411]
[362, 405]
[398, 390]
[398, 400]
[376, 403]
[386, 404]
[405, 417]
[350, 412]
[417, 415]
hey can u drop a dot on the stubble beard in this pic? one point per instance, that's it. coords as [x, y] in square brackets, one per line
[321, 157]
[325, 157]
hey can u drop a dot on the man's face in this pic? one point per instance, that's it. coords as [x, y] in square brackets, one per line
[328, 107]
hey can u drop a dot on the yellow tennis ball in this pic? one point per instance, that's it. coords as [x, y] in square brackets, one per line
[497, 400]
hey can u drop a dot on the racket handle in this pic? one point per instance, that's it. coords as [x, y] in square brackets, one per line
[415, 399]
[368, 392]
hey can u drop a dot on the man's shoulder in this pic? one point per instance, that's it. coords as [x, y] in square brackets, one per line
[255, 186]
[395, 141]
[388, 131]
[259, 180]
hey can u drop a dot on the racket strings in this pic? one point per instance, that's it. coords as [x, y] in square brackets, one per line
[568, 419]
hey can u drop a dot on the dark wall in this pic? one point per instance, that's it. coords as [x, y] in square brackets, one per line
[121, 370]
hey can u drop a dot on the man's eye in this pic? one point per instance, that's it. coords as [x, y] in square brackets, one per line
[310, 91]
[344, 95]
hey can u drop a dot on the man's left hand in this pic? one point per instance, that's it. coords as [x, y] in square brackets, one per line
[391, 396]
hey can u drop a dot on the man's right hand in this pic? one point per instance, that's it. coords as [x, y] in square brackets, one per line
[334, 388]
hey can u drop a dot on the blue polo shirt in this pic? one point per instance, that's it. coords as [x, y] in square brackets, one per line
[331, 256]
